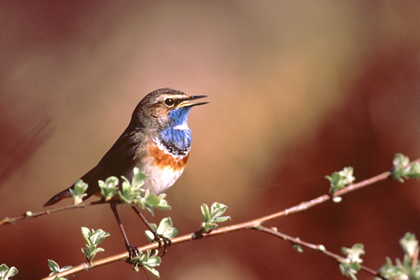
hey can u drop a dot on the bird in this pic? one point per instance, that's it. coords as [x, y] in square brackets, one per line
[157, 141]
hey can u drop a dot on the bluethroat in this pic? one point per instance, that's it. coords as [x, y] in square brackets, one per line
[157, 141]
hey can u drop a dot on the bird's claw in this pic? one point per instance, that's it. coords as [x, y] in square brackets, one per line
[162, 241]
[133, 252]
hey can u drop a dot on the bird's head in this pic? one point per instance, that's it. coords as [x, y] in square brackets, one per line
[165, 108]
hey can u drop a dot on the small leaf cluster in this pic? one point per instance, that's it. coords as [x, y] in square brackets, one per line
[165, 229]
[109, 187]
[148, 260]
[55, 268]
[212, 216]
[131, 192]
[6, 272]
[93, 238]
[339, 180]
[150, 201]
[352, 263]
[78, 191]
[409, 268]
[403, 169]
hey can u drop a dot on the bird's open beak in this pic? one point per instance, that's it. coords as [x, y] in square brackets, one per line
[189, 101]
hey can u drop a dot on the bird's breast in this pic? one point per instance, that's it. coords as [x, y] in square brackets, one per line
[161, 167]
[163, 159]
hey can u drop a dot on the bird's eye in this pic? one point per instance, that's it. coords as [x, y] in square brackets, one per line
[169, 102]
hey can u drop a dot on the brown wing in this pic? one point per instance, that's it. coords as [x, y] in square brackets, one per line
[117, 161]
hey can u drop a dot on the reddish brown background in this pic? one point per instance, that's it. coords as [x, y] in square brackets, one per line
[297, 89]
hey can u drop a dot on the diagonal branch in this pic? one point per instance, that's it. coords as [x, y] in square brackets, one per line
[294, 209]
[253, 224]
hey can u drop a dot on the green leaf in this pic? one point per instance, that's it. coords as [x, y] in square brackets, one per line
[165, 229]
[134, 193]
[85, 233]
[205, 211]
[150, 201]
[353, 254]
[352, 263]
[93, 239]
[339, 180]
[109, 187]
[409, 268]
[218, 209]
[148, 261]
[129, 191]
[55, 268]
[212, 216]
[410, 245]
[403, 169]
[138, 177]
[6, 272]
[78, 191]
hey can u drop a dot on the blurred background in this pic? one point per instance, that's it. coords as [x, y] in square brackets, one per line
[297, 90]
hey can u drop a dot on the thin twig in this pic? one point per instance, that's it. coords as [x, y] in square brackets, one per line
[30, 214]
[318, 248]
[323, 198]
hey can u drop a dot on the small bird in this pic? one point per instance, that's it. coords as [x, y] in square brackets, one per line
[157, 141]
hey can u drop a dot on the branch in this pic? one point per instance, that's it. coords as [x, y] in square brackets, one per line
[253, 224]
[318, 248]
[30, 214]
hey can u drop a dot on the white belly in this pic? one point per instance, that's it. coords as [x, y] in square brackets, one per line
[158, 180]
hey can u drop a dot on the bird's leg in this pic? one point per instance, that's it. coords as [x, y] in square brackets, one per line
[132, 251]
[162, 241]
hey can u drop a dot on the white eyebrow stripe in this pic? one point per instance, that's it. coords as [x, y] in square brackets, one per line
[181, 127]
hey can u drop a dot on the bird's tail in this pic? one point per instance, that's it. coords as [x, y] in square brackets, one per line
[56, 198]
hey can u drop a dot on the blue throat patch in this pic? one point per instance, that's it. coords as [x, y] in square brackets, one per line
[176, 137]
